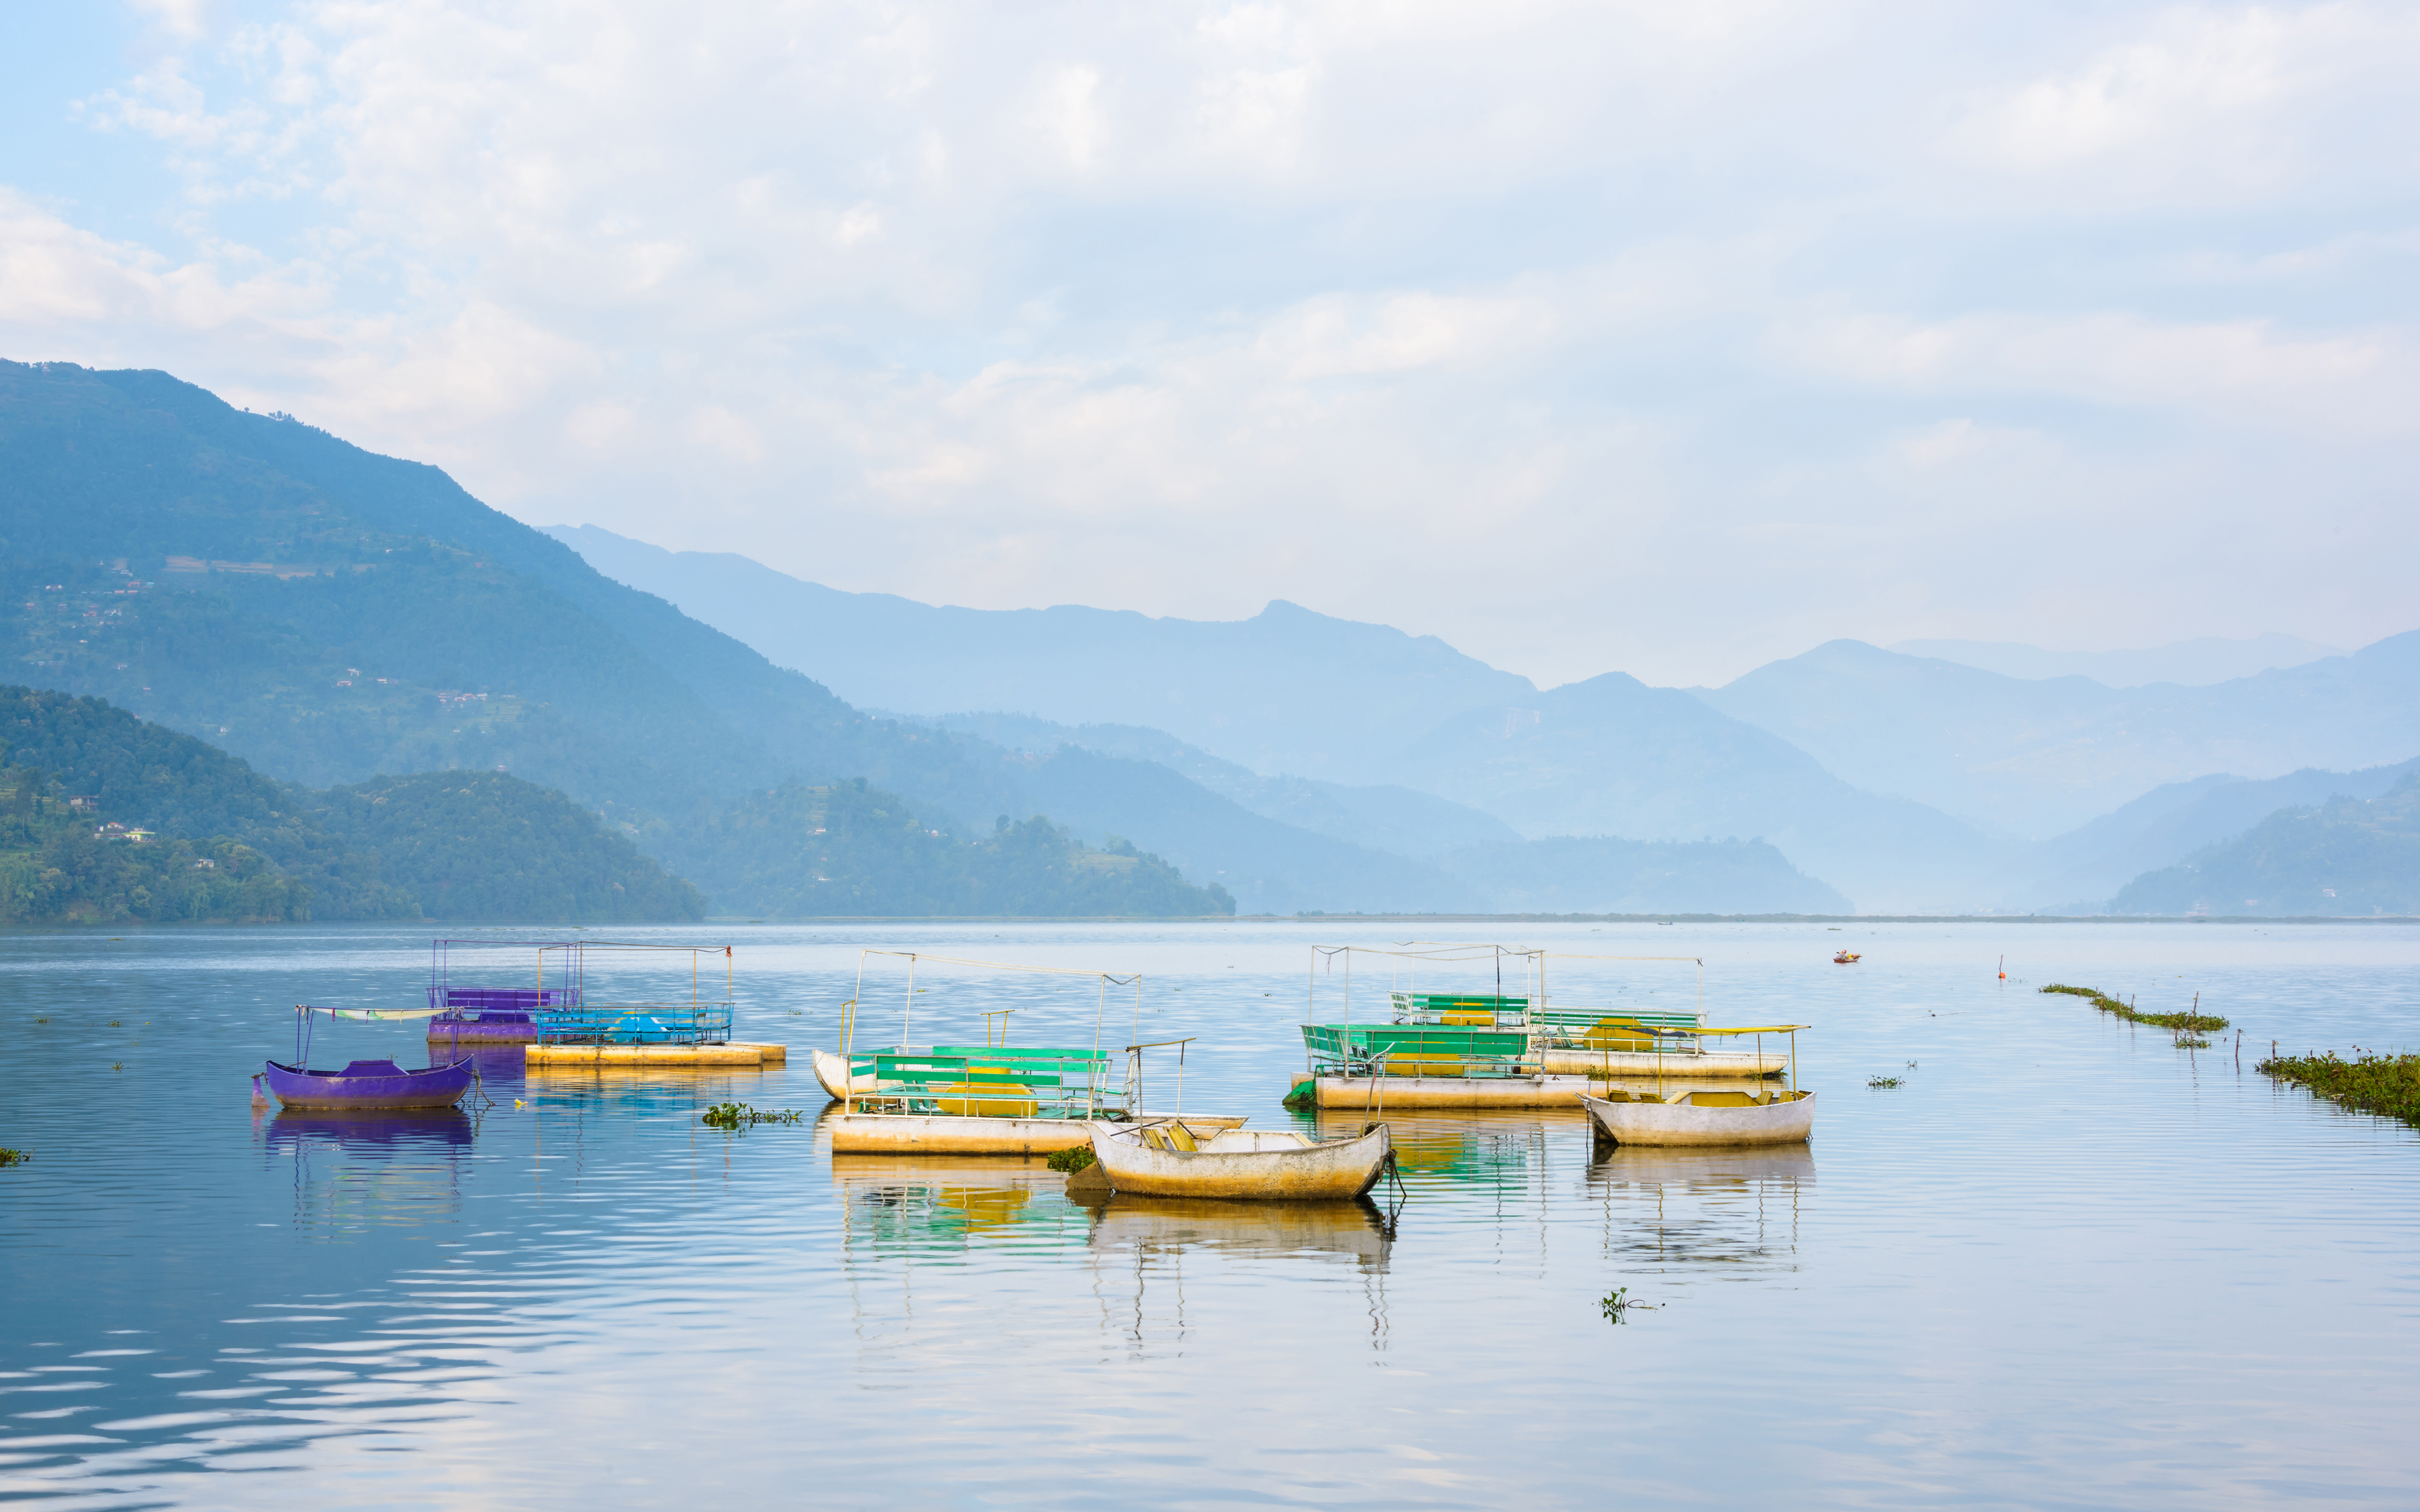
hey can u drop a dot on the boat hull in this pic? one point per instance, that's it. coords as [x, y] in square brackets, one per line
[831, 1073]
[1603, 1063]
[1335, 1172]
[439, 1087]
[1681, 1123]
[936, 1134]
[733, 1053]
[495, 1028]
[1384, 1092]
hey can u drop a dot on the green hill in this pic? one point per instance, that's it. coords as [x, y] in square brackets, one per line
[328, 614]
[61, 862]
[227, 843]
[2348, 856]
[485, 845]
[871, 855]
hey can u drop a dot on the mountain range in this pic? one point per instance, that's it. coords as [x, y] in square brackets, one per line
[1909, 781]
[2194, 663]
[2348, 856]
[333, 617]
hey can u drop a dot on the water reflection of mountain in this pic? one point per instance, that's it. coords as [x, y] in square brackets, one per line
[1702, 1206]
[354, 1170]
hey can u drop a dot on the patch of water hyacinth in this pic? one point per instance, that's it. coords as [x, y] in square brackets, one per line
[2190, 1022]
[740, 1116]
[2388, 1086]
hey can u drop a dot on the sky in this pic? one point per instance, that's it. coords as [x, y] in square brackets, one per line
[1661, 338]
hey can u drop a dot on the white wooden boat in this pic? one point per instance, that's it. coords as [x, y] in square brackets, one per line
[1164, 1159]
[1776, 1116]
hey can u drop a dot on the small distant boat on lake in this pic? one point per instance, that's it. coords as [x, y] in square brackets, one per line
[1847, 958]
[1165, 1159]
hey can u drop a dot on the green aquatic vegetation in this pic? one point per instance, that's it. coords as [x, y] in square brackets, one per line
[1883, 1081]
[1617, 1305]
[2194, 1021]
[14, 1157]
[1072, 1159]
[2388, 1086]
[740, 1116]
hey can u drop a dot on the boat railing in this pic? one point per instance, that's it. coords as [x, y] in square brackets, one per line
[1416, 1050]
[635, 1024]
[476, 1005]
[986, 1081]
[1484, 1011]
[1629, 1031]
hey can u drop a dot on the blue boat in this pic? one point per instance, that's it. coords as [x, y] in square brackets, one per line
[370, 1084]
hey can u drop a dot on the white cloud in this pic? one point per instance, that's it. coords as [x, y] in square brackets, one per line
[1587, 335]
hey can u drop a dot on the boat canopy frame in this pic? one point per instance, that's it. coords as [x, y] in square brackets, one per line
[559, 1002]
[995, 1080]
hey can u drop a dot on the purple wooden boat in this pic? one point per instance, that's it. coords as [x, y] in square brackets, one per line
[370, 1084]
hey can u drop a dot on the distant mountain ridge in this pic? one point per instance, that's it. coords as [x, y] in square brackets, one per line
[1287, 691]
[2030, 759]
[1612, 756]
[2195, 663]
[332, 616]
[2346, 858]
[2075, 871]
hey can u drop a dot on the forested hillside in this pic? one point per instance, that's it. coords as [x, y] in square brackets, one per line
[461, 845]
[485, 845]
[2348, 856]
[61, 861]
[328, 613]
[871, 855]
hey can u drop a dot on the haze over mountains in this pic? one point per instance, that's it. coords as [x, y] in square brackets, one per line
[2194, 663]
[1912, 783]
[332, 617]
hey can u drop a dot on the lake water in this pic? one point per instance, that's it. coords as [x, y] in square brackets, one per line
[2064, 1264]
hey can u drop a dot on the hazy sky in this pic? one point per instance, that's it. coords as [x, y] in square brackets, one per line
[1670, 338]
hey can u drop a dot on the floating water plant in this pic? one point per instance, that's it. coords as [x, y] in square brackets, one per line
[1883, 1081]
[740, 1116]
[2194, 1021]
[2388, 1086]
[1073, 1158]
[1617, 1303]
[14, 1157]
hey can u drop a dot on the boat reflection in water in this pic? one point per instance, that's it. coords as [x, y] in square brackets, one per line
[1355, 1229]
[910, 1205]
[356, 1169]
[1682, 1207]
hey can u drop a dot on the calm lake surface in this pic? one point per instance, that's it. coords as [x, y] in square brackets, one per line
[2065, 1264]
